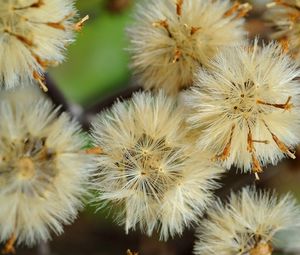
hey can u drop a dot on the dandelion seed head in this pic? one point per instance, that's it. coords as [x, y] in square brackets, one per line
[284, 17]
[43, 174]
[156, 180]
[33, 35]
[170, 39]
[246, 111]
[247, 224]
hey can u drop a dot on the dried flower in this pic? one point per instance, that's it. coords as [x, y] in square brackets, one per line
[248, 224]
[42, 171]
[170, 39]
[147, 170]
[284, 16]
[246, 111]
[33, 36]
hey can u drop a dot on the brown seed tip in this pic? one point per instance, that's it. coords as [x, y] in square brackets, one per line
[21, 38]
[40, 80]
[161, 23]
[38, 4]
[56, 25]
[9, 246]
[262, 248]
[79, 25]
[256, 167]
[194, 30]
[286, 106]
[244, 9]
[238, 9]
[179, 7]
[256, 176]
[226, 151]
[232, 10]
[177, 56]
[94, 151]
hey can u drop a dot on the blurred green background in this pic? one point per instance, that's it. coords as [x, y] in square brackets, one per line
[97, 61]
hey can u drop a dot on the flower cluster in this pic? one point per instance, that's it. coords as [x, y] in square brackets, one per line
[284, 17]
[248, 224]
[33, 36]
[43, 170]
[170, 39]
[43, 173]
[158, 156]
[157, 179]
[246, 111]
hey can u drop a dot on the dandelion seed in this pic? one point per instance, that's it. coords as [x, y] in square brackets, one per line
[147, 170]
[43, 174]
[284, 17]
[247, 109]
[248, 224]
[169, 39]
[33, 35]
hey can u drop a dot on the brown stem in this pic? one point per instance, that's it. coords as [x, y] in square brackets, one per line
[280, 144]
[286, 106]
[226, 152]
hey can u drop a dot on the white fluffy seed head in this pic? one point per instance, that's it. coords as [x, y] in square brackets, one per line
[283, 16]
[247, 224]
[246, 111]
[33, 36]
[154, 179]
[43, 174]
[170, 39]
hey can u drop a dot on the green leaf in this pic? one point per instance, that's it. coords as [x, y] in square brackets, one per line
[97, 62]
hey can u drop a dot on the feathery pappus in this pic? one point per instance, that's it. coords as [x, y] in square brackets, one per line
[245, 109]
[33, 35]
[169, 39]
[248, 224]
[146, 170]
[43, 173]
[284, 17]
